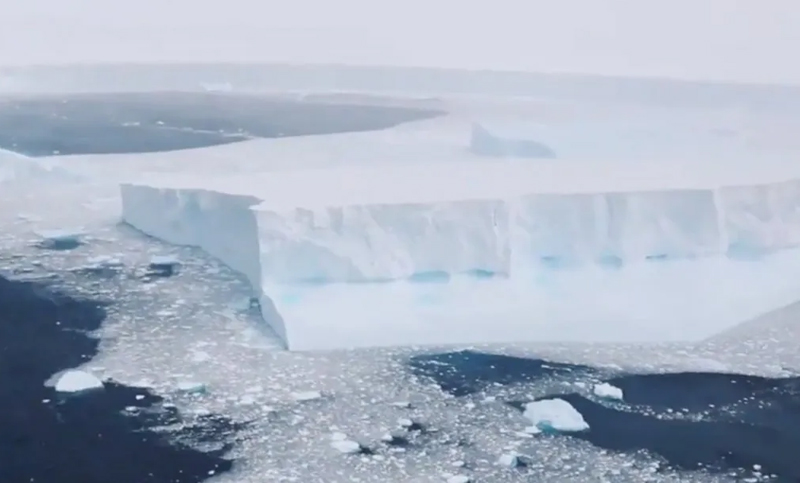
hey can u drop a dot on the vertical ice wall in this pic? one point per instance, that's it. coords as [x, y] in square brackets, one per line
[340, 245]
[383, 242]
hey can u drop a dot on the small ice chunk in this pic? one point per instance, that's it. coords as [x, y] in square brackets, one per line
[555, 414]
[163, 265]
[405, 423]
[402, 404]
[532, 430]
[104, 261]
[458, 464]
[191, 387]
[77, 381]
[459, 479]
[508, 460]
[387, 438]
[338, 436]
[164, 260]
[346, 446]
[241, 305]
[607, 391]
[60, 239]
[306, 396]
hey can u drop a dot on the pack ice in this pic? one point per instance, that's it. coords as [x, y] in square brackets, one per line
[494, 249]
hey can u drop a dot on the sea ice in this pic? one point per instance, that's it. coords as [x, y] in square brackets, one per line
[555, 415]
[74, 381]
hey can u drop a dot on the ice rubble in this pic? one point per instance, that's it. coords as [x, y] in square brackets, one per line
[361, 256]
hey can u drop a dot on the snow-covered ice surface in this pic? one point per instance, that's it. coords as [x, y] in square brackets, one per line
[199, 327]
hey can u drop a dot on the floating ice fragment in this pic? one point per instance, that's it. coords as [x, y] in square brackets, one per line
[459, 479]
[346, 446]
[306, 396]
[103, 261]
[191, 387]
[74, 381]
[164, 260]
[405, 423]
[556, 415]
[60, 239]
[508, 460]
[402, 404]
[163, 265]
[532, 430]
[241, 305]
[607, 391]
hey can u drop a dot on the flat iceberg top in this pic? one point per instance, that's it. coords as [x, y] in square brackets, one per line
[475, 180]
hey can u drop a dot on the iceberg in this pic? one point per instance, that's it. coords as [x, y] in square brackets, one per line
[487, 143]
[488, 251]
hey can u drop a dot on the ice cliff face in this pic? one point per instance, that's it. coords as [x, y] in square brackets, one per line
[338, 259]
[383, 242]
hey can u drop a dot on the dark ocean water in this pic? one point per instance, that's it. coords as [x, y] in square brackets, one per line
[150, 122]
[745, 420]
[94, 437]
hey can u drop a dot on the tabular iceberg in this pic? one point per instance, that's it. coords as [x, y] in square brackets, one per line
[488, 251]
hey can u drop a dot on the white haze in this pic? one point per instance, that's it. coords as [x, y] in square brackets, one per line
[741, 40]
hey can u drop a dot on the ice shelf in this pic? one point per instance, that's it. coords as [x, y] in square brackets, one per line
[494, 251]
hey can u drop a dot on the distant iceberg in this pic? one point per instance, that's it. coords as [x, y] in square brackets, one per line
[486, 142]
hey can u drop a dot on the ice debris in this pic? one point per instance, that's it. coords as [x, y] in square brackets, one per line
[163, 265]
[306, 396]
[191, 387]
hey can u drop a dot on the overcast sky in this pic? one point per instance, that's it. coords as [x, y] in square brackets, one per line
[746, 40]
